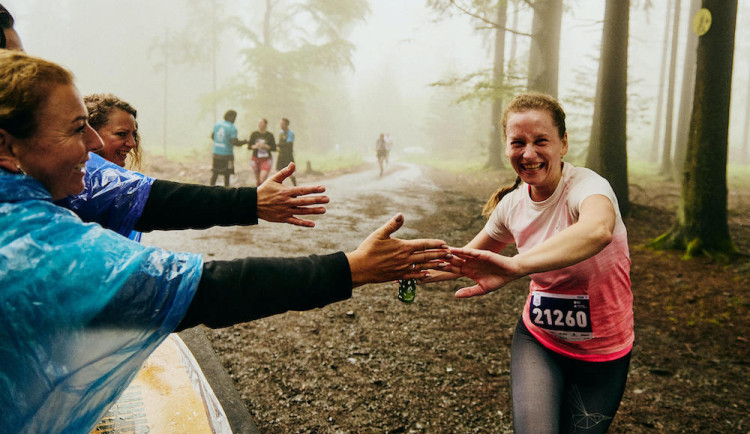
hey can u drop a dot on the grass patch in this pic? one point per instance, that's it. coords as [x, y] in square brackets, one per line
[449, 164]
[327, 162]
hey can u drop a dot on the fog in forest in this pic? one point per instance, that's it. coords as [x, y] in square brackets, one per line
[400, 48]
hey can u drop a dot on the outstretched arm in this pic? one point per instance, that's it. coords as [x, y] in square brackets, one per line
[172, 205]
[242, 290]
[580, 241]
[235, 141]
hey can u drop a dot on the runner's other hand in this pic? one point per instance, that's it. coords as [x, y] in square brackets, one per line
[489, 270]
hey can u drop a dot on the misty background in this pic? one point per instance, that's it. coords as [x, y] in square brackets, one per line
[182, 64]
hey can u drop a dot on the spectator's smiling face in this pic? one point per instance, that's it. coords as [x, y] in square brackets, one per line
[56, 154]
[119, 135]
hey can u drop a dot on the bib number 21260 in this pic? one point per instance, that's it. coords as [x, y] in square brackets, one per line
[566, 316]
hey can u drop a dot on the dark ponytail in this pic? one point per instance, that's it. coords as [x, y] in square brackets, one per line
[497, 197]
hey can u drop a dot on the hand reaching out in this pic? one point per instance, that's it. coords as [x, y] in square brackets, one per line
[489, 270]
[281, 204]
[380, 258]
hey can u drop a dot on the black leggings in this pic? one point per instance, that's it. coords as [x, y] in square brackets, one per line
[556, 394]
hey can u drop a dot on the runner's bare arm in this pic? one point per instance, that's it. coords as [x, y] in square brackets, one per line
[580, 241]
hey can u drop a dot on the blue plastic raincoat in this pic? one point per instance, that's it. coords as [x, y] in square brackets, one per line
[113, 197]
[81, 308]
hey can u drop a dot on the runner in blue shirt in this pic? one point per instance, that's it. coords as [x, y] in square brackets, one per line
[286, 148]
[225, 139]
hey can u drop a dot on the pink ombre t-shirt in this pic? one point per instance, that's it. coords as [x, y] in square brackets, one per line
[584, 311]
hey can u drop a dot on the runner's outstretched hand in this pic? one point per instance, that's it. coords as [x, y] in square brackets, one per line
[489, 270]
[281, 204]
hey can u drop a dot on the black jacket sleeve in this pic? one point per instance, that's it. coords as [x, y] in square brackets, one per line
[173, 205]
[242, 290]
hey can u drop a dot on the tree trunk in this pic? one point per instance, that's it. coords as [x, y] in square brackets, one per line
[701, 227]
[666, 154]
[544, 55]
[686, 94]
[514, 40]
[495, 160]
[660, 96]
[266, 80]
[594, 153]
[746, 143]
[611, 105]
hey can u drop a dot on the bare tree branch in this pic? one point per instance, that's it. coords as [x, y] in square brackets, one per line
[485, 20]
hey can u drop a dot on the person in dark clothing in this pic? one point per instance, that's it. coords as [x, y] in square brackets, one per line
[261, 144]
[83, 307]
[381, 152]
[286, 148]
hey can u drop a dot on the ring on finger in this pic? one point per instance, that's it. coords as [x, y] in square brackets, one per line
[413, 267]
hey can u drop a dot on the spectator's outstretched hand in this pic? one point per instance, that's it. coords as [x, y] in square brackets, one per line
[381, 258]
[489, 270]
[281, 204]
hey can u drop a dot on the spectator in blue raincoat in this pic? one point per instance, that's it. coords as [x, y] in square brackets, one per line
[82, 307]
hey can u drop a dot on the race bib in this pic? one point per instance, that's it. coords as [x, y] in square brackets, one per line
[262, 153]
[567, 317]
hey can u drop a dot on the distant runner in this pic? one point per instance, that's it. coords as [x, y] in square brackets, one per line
[261, 143]
[225, 139]
[286, 148]
[382, 152]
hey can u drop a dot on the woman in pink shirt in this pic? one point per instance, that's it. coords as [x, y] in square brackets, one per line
[571, 348]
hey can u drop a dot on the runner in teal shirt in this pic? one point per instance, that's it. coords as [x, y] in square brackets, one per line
[225, 139]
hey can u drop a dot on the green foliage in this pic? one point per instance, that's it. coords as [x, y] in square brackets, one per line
[480, 86]
[471, 163]
[333, 16]
[327, 162]
[463, 137]
[288, 61]
[679, 238]
[481, 10]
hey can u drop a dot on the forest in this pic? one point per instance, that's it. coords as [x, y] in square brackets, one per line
[657, 94]
[299, 59]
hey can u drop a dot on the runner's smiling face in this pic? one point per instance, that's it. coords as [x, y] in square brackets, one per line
[535, 150]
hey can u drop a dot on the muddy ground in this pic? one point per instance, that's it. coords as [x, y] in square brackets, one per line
[373, 364]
